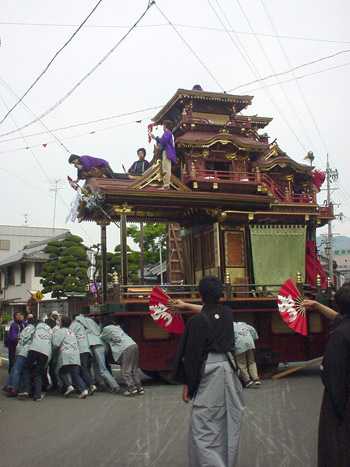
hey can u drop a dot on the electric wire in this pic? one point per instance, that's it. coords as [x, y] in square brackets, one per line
[75, 125]
[190, 48]
[45, 174]
[229, 90]
[111, 117]
[298, 67]
[243, 52]
[37, 79]
[272, 68]
[89, 73]
[59, 141]
[93, 132]
[178, 25]
[289, 64]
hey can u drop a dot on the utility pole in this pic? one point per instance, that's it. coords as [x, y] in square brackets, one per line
[331, 177]
[55, 190]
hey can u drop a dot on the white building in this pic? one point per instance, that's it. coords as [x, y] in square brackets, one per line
[14, 238]
[20, 275]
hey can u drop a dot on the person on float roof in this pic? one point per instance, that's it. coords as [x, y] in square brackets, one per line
[89, 166]
[141, 165]
[167, 148]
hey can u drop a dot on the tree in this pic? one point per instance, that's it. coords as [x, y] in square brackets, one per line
[154, 235]
[113, 261]
[66, 270]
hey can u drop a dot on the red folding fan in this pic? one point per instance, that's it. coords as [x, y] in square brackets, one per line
[291, 310]
[161, 313]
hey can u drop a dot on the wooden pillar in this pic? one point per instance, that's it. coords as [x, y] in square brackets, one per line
[103, 226]
[123, 249]
[142, 254]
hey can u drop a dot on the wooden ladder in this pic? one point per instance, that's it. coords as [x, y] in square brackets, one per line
[175, 257]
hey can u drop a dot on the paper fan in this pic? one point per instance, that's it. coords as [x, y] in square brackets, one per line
[290, 307]
[161, 313]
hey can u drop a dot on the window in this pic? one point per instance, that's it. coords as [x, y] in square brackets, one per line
[221, 166]
[23, 273]
[38, 269]
[5, 245]
[10, 275]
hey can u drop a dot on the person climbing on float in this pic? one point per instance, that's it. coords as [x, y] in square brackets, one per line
[90, 167]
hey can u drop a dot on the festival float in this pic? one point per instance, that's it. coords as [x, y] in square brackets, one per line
[238, 207]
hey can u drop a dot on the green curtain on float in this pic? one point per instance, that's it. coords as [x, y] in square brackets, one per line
[278, 253]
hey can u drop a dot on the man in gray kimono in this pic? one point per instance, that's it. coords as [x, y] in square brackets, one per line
[68, 361]
[85, 354]
[126, 352]
[97, 348]
[39, 354]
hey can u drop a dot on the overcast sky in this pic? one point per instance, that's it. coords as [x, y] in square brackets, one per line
[146, 70]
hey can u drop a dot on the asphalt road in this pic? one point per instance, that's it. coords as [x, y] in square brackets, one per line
[279, 430]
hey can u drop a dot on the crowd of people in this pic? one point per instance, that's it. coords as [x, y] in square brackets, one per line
[65, 355]
[215, 356]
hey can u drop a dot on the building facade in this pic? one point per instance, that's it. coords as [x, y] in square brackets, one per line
[20, 275]
[14, 238]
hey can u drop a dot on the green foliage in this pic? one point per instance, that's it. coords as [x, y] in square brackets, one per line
[153, 236]
[67, 269]
[6, 318]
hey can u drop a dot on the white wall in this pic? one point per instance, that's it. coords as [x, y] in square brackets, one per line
[19, 291]
[20, 236]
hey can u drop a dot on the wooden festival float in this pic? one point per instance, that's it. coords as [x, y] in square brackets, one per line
[238, 207]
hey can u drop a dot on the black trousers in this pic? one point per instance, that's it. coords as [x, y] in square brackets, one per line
[35, 371]
[74, 372]
[85, 368]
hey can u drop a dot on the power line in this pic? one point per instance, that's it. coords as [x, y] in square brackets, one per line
[75, 125]
[178, 25]
[191, 49]
[89, 73]
[111, 117]
[267, 58]
[242, 50]
[35, 116]
[280, 73]
[229, 90]
[51, 62]
[289, 64]
[72, 137]
[40, 165]
[306, 75]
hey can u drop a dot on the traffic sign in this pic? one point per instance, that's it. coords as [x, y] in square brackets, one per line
[38, 296]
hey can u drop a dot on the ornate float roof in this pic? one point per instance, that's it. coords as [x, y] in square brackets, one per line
[275, 157]
[176, 101]
[207, 139]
